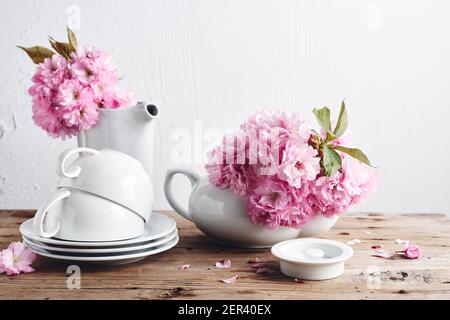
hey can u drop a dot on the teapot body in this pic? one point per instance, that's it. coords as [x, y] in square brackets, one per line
[222, 215]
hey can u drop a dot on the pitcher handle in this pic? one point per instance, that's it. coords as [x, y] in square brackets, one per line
[39, 217]
[193, 177]
[75, 171]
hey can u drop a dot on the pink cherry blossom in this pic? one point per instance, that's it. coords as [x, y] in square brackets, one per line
[44, 116]
[229, 176]
[101, 58]
[299, 164]
[82, 116]
[94, 67]
[17, 258]
[272, 163]
[71, 92]
[288, 123]
[52, 71]
[327, 197]
[336, 194]
[116, 99]
[86, 71]
[359, 179]
[67, 95]
[275, 203]
[228, 166]
[412, 251]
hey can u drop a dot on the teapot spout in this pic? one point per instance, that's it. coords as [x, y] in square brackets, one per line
[150, 110]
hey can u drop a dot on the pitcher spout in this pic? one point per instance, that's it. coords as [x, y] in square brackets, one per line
[151, 111]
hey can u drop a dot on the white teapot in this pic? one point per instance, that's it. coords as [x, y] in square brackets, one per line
[222, 215]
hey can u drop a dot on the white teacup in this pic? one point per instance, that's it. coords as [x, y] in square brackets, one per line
[79, 216]
[110, 174]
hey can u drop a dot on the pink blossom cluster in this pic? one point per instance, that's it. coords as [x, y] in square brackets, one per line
[271, 163]
[67, 94]
[17, 258]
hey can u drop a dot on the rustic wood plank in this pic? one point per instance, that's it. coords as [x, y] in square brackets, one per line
[158, 277]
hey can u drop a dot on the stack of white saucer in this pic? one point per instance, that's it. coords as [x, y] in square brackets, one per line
[160, 234]
[101, 212]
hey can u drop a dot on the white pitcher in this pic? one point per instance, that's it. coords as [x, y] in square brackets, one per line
[129, 130]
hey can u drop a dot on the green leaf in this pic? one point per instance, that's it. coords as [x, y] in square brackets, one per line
[342, 122]
[38, 54]
[323, 118]
[72, 39]
[63, 48]
[331, 161]
[355, 153]
[330, 137]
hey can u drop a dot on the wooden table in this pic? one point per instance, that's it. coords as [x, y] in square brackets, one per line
[158, 277]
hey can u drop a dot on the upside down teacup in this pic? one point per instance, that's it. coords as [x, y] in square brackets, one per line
[109, 174]
[80, 216]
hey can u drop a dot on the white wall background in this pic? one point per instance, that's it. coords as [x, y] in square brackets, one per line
[220, 60]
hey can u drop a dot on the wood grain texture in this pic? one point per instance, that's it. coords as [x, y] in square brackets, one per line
[158, 277]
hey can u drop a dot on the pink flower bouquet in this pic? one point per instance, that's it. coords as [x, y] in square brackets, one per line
[289, 173]
[70, 85]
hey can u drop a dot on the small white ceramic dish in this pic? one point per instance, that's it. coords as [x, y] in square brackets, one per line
[159, 226]
[123, 249]
[109, 259]
[311, 258]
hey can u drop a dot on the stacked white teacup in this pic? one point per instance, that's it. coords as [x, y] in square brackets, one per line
[101, 212]
[103, 195]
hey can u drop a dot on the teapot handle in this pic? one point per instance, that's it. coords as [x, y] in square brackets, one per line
[193, 177]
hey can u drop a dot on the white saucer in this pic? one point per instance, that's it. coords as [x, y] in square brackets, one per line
[122, 249]
[312, 259]
[110, 259]
[158, 227]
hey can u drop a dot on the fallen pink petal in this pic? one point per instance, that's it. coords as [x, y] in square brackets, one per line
[223, 264]
[230, 280]
[400, 241]
[258, 265]
[253, 260]
[412, 251]
[353, 242]
[384, 255]
[184, 266]
[265, 270]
